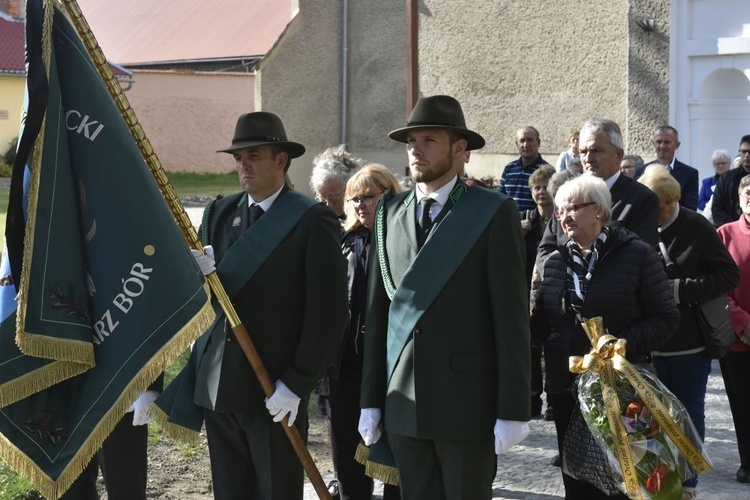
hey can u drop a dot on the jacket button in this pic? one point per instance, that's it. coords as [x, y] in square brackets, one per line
[417, 331]
[229, 338]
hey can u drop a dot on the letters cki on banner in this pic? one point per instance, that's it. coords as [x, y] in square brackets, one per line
[82, 125]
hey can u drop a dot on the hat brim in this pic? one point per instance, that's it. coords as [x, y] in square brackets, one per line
[474, 140]
[293, 149]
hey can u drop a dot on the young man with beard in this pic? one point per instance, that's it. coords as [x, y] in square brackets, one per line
[446, 358]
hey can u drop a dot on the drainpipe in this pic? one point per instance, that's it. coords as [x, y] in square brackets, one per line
[344, 69]
[412, 55]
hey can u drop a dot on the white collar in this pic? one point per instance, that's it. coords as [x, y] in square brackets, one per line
[265, 204]
[440, 195]
[611, 181]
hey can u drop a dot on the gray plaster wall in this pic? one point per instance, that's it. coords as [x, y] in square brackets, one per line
[648, 75]
[301, 80]
[550, 64]
[547, 63]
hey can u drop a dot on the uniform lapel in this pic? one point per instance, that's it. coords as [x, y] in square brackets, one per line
[238, 221]
[401, 242]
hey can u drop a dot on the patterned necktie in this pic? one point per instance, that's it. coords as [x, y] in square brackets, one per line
[255, 213]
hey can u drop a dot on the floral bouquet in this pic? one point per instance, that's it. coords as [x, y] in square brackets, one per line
[645, 433]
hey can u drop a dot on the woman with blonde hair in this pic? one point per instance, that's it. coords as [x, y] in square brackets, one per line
[699, 269]
[363, 192]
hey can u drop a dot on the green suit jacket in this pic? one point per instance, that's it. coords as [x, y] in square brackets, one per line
[465, 363]
[294, 306]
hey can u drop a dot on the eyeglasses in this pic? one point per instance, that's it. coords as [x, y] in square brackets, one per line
[745, 194]
[333, 198]
[571, 209]
[365, 200]
[744, 152]
[721, 163]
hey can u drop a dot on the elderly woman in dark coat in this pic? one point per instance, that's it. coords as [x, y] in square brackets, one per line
[600, 271]
[699, 268]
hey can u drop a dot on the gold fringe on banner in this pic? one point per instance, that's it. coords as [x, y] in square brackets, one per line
[152, 369]
[385, 473]
[172, 430]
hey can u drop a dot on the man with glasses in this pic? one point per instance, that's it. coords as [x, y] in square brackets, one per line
[634, 206]
[725, 206]
[446, 355]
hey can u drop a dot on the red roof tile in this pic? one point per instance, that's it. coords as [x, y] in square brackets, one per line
[144, 31]
[12, 58]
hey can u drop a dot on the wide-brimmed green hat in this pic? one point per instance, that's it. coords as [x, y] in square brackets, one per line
[261, 128]
[439, 111]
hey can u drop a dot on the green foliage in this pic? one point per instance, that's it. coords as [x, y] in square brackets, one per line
[190, 450]
[155, 432]
[5, 168]
[186, 184]
[10, 155]
[177, 365]
[14, 487]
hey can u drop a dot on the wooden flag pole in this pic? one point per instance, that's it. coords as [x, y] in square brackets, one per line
[190, 235]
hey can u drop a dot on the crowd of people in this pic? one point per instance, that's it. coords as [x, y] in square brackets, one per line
[432, 313]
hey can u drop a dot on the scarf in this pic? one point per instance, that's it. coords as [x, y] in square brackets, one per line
[581, 268]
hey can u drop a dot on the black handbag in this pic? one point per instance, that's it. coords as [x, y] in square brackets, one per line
[713, 321]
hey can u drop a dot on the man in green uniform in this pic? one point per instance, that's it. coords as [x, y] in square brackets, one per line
[446, 360]
[278, 256]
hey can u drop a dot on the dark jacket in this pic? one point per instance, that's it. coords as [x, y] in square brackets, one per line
[628, 288]
[726, 205]
[686, 175]
[466, 362]
[293, 306]
[355, 245]
[705, 269]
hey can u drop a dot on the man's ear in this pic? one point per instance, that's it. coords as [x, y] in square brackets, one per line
[459, 147]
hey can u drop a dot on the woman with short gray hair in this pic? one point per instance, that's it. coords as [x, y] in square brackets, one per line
[600, 271]
[720, 161]
[332, 168]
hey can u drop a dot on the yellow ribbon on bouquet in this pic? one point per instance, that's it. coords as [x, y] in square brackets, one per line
[607, 356]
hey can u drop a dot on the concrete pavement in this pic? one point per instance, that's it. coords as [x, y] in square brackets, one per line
[525, 472]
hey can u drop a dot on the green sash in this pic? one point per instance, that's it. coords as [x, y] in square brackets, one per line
[442, 253]
[249, 252]
[181, 418]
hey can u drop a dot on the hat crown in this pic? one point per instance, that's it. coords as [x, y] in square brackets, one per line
[260, 126]
[438, 110]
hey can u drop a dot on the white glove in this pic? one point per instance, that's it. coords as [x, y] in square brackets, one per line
[369, 425]
[205, 261]
[141, 406]
[509, 433]
[281, 402]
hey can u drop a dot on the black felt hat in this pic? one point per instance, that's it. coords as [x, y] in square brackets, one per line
[260, 128]
[439, 111]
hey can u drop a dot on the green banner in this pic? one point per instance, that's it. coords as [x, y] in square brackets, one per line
[105, 292]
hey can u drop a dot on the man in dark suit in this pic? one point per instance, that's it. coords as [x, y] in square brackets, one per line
[634, 206]
[725, 206]
[277, 253]
[666, 141]
[446, 357]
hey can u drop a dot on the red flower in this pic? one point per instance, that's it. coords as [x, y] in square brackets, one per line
[657, 478]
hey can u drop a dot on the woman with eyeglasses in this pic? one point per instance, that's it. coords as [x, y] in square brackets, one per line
[601, 271]
[720, 161]
[331, 169]
[363, 191]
